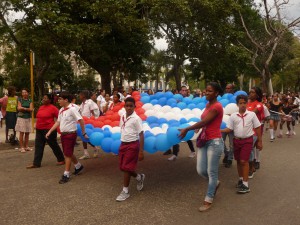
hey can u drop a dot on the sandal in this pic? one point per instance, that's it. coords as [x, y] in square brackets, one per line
[22, 150]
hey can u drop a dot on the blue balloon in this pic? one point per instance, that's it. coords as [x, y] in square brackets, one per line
[197, 100]
[106, 144]
[107, 133]
[171, 101]
[79, 130]
[162, 120]
[181, 105]
[162, 101]
[189, 134]
[96, 138]
[201, 105]
[152, 97]
[232, 99]
[149, 144]
[144, 94]
[174, 124]
[115, 146]
[88, 131]
[148, 134]
[178, 97]
[192, 106]
[89, 126]
[224, 102]
[97, 129]
[159, 95]
[154, 102]
[187, 100]
[152, 125]
[145, 99]
[183, 120]
[194, 119]
[173, 105]
[162, 143]
[240, 93]
[84, 139]
[169, 94]
[116, 136]
[172, 135]
[152, 119]
[227, 96]
[223, 125]
[219, 98]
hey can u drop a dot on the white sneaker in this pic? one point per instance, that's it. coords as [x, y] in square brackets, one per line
[140, 183]
[287, 133]
[85, 157]
[172, 158]
[192, 154]
[294, 133]
[122, 197]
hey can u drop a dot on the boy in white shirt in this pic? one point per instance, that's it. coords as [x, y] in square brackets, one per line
[131, 149]
[67, 122]
[242, 124]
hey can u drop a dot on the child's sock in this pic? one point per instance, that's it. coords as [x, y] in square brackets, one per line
[138, 177]
[280, 132]
[240, 178]
[78, 165]
[67, 173]
[271, 133]
[125, 189]
[245, 183]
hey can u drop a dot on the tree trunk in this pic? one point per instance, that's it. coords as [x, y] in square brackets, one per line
[157, 80]
[177, 76]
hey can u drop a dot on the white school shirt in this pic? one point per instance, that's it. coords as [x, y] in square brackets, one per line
[101, 100]
[297, 102]
[86, 108]
[266, 111]
[68, 117]
[131, 127]
[242, 125]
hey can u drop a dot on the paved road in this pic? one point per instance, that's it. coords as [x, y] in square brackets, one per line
[172, 195]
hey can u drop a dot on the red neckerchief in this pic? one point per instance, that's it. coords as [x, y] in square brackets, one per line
[65, 109]
[243, 116]
[125, 121]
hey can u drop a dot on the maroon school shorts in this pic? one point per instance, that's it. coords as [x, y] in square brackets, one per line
[242, 148]
[68, 142]
[129, 155]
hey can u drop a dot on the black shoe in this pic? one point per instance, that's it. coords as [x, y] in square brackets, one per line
[64, 179]
[228, 164]
[257, 165]
[251, 174]
[169, 152]
[77, 171]
[239, 184]
[225, 159]
[243, 189]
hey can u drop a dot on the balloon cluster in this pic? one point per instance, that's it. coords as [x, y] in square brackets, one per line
[163, 114]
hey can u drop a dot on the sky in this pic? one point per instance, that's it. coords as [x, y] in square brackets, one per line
[290, 13]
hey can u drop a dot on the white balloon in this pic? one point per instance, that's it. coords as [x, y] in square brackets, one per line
[226, 118]
[164, 127]
[159, 115]
[150, 112]
[191, 123]
[121, 112]
[169, 116]
[107, 126]
[176, 110]
[196, 135]
[189, 116]
[147, 106]
[197, 112]
[116, 130]
[156, 130]
[157, 108]
[166, 109]
[178, 116]
[230, 109]
[186, 111]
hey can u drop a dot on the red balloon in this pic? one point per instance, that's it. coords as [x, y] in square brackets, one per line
[116, 108]
[92, 118]
[135, 93]
[109, 113]
[122, 104]
[115, 124]
[143, 117]
[138, 104]
[140, 111]
[85, 118]
[101, 118]
[98, 124]
[137, 97]
[107, 122]
[115, 117]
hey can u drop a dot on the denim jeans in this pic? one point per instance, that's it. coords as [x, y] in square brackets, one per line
[228, 151]
[208, 158]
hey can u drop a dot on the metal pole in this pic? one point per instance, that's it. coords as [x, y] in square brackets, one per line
[32, 87]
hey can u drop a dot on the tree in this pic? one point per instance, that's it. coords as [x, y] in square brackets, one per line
[264, 42]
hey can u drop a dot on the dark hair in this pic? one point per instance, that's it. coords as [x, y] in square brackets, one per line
[258, 93]
[85, 93]
[50, 97]
[66, 95]
[101, 90]
[25, 89]
[10, 90]
[216, 87]
[130, 99]
[183, 86]
[118, 95]
[239, 97]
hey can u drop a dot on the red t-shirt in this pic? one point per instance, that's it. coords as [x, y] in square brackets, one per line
[45, 117]
[251, 106]
[213, 128]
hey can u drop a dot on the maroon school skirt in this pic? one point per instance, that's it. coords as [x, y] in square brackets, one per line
[129, 155]
[68, 142]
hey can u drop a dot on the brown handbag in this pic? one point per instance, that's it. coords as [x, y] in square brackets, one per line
[201, 140]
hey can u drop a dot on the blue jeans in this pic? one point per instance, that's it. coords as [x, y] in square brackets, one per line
[228, 151]
[208, 158]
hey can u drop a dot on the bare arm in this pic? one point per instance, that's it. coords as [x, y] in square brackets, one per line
[141, 153]
[226, 130]
[54, 127]
[259, 138]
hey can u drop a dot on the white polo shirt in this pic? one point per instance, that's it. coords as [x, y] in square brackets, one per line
[243, 125]
[68, 117]
[297, 102]
[131, 127]
[86, 108]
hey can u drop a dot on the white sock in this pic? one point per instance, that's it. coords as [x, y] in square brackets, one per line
[125, 189]
[240, 178]
[280, 132]
[67, 173]
[86, 152]
[78, 165]
[271, 133]
[245, 183]
[138, 177]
